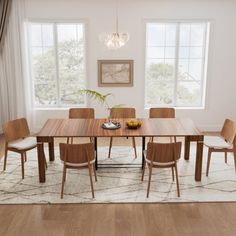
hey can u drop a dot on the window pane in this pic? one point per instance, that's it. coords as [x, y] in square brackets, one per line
[36, 35]
[161, 71]
[197, 34]
[189, 94]
[71, 64]
[196, 52]
[170, 34]
[165, 84]
[184, 52]
[170, 52]
[156, 52]
[58, 71]
[156, 34]
[159, 92]
[183, 69]
[47, 35]
[43, 64]
[195, 69]
[184, 35]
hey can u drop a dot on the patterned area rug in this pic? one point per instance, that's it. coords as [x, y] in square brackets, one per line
[117, 184]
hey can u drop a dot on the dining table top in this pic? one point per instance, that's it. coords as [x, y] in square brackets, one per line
[159, 127]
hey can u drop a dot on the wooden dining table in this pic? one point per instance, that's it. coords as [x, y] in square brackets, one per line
[154, 127]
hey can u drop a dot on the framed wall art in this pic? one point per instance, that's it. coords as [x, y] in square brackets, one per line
[115, 73]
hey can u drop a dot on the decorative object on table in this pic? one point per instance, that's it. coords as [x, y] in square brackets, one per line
[115, 73]
[133, 124]
[102, 99]
[114, 40]
[111, 125]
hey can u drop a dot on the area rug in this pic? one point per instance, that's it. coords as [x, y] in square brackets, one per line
[117, 185]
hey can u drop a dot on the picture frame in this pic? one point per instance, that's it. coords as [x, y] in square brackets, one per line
[115, 73]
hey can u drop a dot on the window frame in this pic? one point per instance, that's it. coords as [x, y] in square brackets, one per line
[58, 105]
[204, 74]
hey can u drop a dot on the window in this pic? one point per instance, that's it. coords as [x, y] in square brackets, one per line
[57, 59]
[176, 56]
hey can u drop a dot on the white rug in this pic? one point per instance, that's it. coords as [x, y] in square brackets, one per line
[117, 184]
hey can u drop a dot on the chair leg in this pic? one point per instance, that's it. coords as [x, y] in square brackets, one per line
[91, 139]
[71, 141]
[173, 174]
[149, 180]
[95, 174]
[144, 167]
[151, 139]
[91, 180]
[45, 162]
[5, 159]
[234, 161]
[177, 180]
[171, 139]
[22, 164]
[226, 157]
[110, 146]
[175, 140]
[25, 157]
[134, 146]
[63, 181]
[68, 140]
[208, 161]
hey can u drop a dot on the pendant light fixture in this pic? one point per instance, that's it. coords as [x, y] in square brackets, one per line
[116, 39]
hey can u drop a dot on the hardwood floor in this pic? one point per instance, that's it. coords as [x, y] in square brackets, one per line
[119, 219]
[188, 219]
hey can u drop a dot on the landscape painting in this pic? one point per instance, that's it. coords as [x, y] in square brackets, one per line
[117, 73]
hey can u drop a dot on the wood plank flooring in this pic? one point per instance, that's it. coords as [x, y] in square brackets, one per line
[209, 219]
[190, 219]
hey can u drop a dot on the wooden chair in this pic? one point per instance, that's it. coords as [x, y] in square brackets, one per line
[81, 113]
[17, 139]
[77, 156]
[223, 143]
[117, 113]
[162, 112]
[162, 155]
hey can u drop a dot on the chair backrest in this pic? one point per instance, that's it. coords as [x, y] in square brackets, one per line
[163, 152]
[162, 112]
[16, 129]
[228, 131]
[77, 153]
[122, 112]
[81, 113]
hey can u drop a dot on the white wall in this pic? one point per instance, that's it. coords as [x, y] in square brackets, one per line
[99, 15]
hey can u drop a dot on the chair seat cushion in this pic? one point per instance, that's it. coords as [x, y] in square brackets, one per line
[216, 142]
[155, 163]
[78, 164]
[23, 144]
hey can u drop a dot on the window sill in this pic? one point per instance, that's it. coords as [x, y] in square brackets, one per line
[55, 108]
[179, 108]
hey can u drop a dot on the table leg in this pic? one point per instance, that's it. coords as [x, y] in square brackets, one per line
[41, 163]
[96, 152]
[143, 149]
[51, 149]
[198, 165]
[187, 148]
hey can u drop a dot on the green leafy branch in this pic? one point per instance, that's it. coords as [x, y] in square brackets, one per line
[102, 99]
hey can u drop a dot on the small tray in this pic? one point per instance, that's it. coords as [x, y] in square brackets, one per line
[117, 125]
